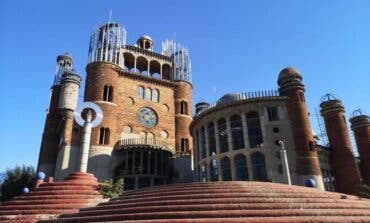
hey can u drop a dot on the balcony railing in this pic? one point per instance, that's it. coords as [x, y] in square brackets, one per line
[143, 141]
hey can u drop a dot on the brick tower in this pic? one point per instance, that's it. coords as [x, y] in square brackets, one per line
[360, 125]
[146, 99]
[307, 164]
[58, 125]
[342, 159]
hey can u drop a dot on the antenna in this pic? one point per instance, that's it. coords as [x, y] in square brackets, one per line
[110, 16]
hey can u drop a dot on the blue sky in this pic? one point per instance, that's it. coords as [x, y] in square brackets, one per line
[236, 46]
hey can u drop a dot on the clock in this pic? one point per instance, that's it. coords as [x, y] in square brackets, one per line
[147, 117]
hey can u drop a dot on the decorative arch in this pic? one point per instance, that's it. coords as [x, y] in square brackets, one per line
[155, 69]
[237, 132]
[212, 139]
[222, 135]
[142, 65]
[226, 169]
[166, 71]
[240, 166]
[259, 167]
[129, 60]
[254, 130]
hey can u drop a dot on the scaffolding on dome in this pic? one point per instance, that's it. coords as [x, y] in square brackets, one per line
[181, 58]
[106, 43]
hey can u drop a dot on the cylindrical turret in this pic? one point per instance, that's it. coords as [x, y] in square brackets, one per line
[307, 164]
[183, 107]
[101, 87]
[70, 83]
[200, 106]
[145, 42]
[342, 159]
[64, 64]
[360, 125]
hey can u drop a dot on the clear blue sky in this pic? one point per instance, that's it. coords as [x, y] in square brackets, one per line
[234, 46]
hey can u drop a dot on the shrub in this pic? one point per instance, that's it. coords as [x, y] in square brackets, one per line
[112, 189]
[14, 180]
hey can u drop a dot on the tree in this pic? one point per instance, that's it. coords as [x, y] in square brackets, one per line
[14, 180]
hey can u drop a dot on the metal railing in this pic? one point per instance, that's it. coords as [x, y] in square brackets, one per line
[143, 141]
[230, 98]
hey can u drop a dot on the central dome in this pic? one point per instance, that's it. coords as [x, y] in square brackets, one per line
[231, 97]
[287, 73]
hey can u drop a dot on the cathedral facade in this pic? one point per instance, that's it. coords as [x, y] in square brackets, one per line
[150, 136]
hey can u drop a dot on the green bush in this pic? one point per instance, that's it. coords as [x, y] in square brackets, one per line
[112, 189]
[14, 180]
[366, 191]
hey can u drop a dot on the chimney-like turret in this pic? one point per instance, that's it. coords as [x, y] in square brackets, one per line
[342, 160]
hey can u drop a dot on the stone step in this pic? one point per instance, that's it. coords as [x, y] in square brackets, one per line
[212, 201]
[60, 192]
[37, 211]
[64, 187]
[57, 196]
[289, 219]
[220, 206]
[217, 214]
[51, 200]
[49, 205]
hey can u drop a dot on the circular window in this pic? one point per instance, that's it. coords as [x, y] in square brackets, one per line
[275, 130]
[164, 134]
[127, 129]
[147, 117]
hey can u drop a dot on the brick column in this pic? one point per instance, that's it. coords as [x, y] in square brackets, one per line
[361, 127]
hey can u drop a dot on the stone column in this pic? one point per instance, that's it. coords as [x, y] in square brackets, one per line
[229, 137]
[245, 131]
[217, 138]
[85, 144]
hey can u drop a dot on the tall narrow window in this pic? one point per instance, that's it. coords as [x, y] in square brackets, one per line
[222, 135]
[203, 142]
[259, 168]
[184, 145]
[226, 169]
[254, 130]
[241, 171]
[273, 113]
[108, 93]
[104, 136]
[237, 132]
[140, 92]
[212, 139]
[155, 95]
[184, 107]
[148, 94]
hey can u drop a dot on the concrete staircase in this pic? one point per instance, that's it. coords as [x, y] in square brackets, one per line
[226, 202]
[51, 199]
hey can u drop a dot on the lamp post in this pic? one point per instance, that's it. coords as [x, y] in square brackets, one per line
[284, 162]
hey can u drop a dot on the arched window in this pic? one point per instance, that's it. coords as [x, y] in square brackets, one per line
[155, 95]
[108, 93]
[203, 142]
[140, 92]
[148, 94]
[237, 132]
[254, 130]
[259, 168]
[104, 136]
[240, 164]
[211, 139]
[226, 169]
[213, 170]
[184, 145]
[222, 135]
[183, 107]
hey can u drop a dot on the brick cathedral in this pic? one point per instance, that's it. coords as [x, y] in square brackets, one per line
[150, 136]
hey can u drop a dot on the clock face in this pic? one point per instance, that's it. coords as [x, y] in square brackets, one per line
[147, 117]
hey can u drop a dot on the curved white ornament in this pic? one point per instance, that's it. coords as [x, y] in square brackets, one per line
[99, 114]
